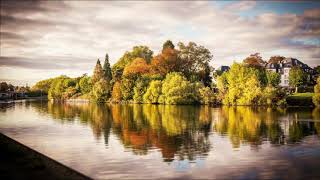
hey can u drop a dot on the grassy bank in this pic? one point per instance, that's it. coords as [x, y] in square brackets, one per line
[300, 99]
[20, 162]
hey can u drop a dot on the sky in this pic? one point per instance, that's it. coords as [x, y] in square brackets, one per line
[43, 39]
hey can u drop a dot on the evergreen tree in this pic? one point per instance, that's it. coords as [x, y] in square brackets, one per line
[97, 73]
[107, 69]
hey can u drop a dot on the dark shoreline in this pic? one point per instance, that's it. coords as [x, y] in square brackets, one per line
[18, 161]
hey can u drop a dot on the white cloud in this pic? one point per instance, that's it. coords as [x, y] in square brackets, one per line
[85, 31]
[241, 6]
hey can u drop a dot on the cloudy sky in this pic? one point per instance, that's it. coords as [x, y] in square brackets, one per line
[42, 39]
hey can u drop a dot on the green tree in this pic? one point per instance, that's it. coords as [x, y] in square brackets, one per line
[85, 84]
[222, 85]
[270, 94]
[243, 86]
[97, 73]
[43, 85]
[317, 69]
[107, 69]
[296, 77]
[140, 88]
[153, 92]
[101, 91]
[127, 85]
[316, 96]
[176, 89]
[207, 96]
[273, 78]
[195, 61]
[62, 88]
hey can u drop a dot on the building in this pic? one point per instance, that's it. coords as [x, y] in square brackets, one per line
[283, 67]
[223, 69]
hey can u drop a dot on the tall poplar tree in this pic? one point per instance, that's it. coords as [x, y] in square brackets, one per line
[97, 73]
[107, 69]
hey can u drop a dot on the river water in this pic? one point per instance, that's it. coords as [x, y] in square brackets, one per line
[164, 141]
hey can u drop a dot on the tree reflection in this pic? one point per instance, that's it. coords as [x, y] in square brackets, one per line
[175, 130]
[247, 125]
[182, 132]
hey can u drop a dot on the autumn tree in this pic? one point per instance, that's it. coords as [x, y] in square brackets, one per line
[296, 77]
[167, 61]
[137, 52]
[276, 59]
[107, 69]
[254, 60]
[138, 66]
[97, 73]
[167, 44]
[116, 92]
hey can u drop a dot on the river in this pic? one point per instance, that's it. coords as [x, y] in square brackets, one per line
[166, 141]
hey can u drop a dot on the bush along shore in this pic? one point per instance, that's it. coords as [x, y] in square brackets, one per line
[179, 75]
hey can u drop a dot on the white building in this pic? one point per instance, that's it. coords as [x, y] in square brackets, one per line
[283, 67]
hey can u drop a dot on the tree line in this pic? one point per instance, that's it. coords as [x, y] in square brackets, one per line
[177, 75]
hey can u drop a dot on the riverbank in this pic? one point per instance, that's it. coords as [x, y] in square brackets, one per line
[18, 161]
[293, 100]
[300, 100]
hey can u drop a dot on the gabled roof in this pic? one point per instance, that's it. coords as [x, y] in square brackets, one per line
[287, 62]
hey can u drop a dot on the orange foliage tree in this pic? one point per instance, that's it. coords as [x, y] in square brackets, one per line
[254, 60]
[116, 92]
[167, 61]
[138, 66]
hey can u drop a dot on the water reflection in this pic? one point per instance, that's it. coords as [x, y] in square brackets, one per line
[182, 132]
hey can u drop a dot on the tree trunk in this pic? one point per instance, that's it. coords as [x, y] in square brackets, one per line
[296, 89]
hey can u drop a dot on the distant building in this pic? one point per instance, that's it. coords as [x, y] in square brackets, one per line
[222, 69]
[6, 95]
[219, 71]
[283, 67]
